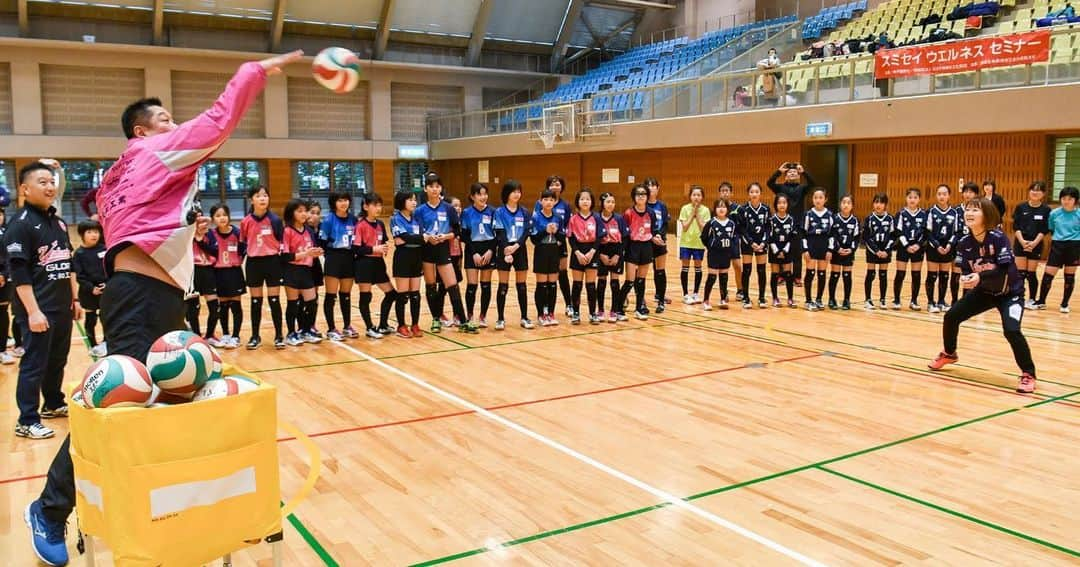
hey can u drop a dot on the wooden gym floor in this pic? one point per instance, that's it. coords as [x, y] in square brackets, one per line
[729, 437]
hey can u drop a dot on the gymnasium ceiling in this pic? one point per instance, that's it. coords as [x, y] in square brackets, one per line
[530, 26]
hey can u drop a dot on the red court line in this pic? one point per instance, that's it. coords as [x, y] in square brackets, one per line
[542, 400]
[21, 478]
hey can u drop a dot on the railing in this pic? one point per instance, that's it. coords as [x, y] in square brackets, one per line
[840, 79]
[788, 40]
[726, 52]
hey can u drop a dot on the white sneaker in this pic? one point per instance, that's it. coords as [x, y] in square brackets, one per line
[215, 342]
[706, 306]
[1029, 303]
[697, 298]
[232, 342]
[6, 358]
[34, 431]
[18, 352]
[1064, 309]
[688, 299]
[99, 351]
[933, 308]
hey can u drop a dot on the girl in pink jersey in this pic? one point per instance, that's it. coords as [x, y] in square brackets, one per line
[263, 232]
[228, 275]
[299, 252]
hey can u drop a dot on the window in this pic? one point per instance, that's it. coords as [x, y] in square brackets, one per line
[82, 176]
[7, 181]
[228, 182]
[1066, 165]
[315, 180]
[409, 175]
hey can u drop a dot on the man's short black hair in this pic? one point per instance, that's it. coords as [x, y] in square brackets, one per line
[31, 167]
[137, 113]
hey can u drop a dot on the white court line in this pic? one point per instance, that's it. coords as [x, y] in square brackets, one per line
[665, 496]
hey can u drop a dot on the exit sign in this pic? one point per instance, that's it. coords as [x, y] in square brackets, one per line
[819, 129]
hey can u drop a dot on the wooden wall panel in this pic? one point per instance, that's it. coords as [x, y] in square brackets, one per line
[1014, 161]
[382, 178]
[280, 182]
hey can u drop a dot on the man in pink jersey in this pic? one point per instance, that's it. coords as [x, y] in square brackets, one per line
[149, 212]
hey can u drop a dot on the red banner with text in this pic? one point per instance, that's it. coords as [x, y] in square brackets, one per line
[965, 55]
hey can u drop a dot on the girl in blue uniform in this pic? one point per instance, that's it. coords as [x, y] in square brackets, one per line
[753, 221]
[878, 239]
[548, 235]
[336, 237]
[408, 262]
[911, 248]
[478, 235]
[1065, 249]
[438, 219]
[562, 210]
[511, 230]
[661, 220]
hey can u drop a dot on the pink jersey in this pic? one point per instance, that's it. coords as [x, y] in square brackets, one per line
[147, 196]
[261, 235]
[297, 241]
[201, 256]
[230, 251]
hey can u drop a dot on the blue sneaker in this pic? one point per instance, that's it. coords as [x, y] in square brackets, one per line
[47, 538]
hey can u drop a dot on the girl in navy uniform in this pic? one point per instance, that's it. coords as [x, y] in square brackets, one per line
[1031, 223]
[968, 193]
[478, 235]
[336, 233]
[584, 230]
[817, 242]
[439, 219]
[318, 276]
[661, 221]
[990, 276]
[88, 263]
[408, 262]
[753, 223]
[845, 240]
[228, 275]
[910, 248]
[1065, 249]
[548, 235]
[611, 253]
[725, 192]
[562, 210]
[783, 231]
[717, 236]
[511, 230]
[639, 249]
[941, 236]
[370, 245]
[879, 239]
[204, 253]
[7, 292]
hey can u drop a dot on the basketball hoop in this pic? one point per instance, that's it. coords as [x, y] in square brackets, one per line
[548, 138]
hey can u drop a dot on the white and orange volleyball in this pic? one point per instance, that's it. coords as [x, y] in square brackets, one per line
[337, 69]
[224, 387]
[180, 362]
[116, 381]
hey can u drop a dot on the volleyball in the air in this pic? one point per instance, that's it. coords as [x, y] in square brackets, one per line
[116, 381]
[180, 362]
[337, 69]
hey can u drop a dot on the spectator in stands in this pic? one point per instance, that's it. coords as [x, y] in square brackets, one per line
[990, 192]
[741, 97]
[1067, 12]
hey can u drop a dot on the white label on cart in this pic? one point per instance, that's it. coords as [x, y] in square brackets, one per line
[91, 492]
[179, 497]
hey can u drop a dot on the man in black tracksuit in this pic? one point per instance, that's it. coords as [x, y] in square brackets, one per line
[795, 191]
[39, 252]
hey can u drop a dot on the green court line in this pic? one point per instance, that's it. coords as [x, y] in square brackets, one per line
[608, 519]
[952, 512]
[1036, 333]
[878, 349]
[311, 541]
